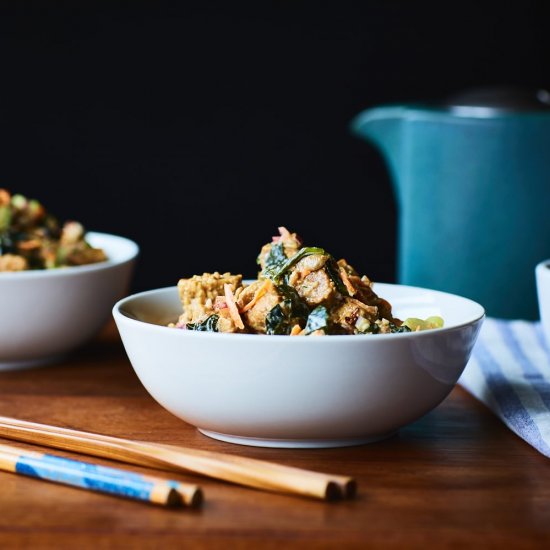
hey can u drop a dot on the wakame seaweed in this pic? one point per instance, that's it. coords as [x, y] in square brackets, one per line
[291, 311]
[210, 324]
[275, 259]
[333, 272]
[375, 329]
[318, 319]
[276, 321]
[278, 271]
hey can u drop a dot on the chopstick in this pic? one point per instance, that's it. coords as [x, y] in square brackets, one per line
[93, 477]
[244, 471]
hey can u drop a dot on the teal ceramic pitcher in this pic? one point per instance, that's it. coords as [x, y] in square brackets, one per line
[472, 184]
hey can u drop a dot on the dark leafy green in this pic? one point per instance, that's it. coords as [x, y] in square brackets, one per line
[375, 329]
[276, 321]
[210, 324]
[299, 308]
[5, 218]
[291, 311]
[317, 319]
[333, 272]
[402, 328]
[275, 258]
[5, 239]
[277, 271]
[7, 245]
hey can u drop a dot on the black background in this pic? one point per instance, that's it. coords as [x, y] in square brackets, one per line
[197, 128]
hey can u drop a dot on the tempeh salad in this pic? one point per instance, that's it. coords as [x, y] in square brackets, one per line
[300, 291]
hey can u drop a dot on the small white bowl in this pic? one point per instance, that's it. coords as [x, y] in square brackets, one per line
[542, 275]
[44, 314]
[299, 391]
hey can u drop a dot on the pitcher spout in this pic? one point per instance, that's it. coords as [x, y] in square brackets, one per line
[382, 126]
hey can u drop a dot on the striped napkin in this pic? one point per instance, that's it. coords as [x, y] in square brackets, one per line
[509, 371]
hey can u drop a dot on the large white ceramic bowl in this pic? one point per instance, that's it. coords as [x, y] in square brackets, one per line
[298, 391]
[45, 314]
[542, 275]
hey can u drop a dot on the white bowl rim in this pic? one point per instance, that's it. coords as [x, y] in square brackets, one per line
[129, 252]
[119, 315]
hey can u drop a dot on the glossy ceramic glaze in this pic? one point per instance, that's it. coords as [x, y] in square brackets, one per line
[473, 195]
[286, 391]
[542, 275]
[44, 314]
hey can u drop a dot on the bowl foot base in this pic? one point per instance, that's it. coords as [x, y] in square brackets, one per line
[294, 443]
[29, 363]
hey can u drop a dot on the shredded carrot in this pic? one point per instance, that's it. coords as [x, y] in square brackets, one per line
[29, 245]
[233, 311]
[257, 295]
[347, 282]
[296, 329]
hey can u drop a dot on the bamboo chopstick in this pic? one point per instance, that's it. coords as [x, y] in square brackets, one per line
[93, 477]
[244, 471]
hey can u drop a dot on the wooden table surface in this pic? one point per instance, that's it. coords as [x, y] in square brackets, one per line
[456, 478]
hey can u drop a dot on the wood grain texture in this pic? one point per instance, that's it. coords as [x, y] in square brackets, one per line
[456, 478]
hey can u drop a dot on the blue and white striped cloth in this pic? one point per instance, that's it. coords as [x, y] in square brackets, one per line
[509, 371]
